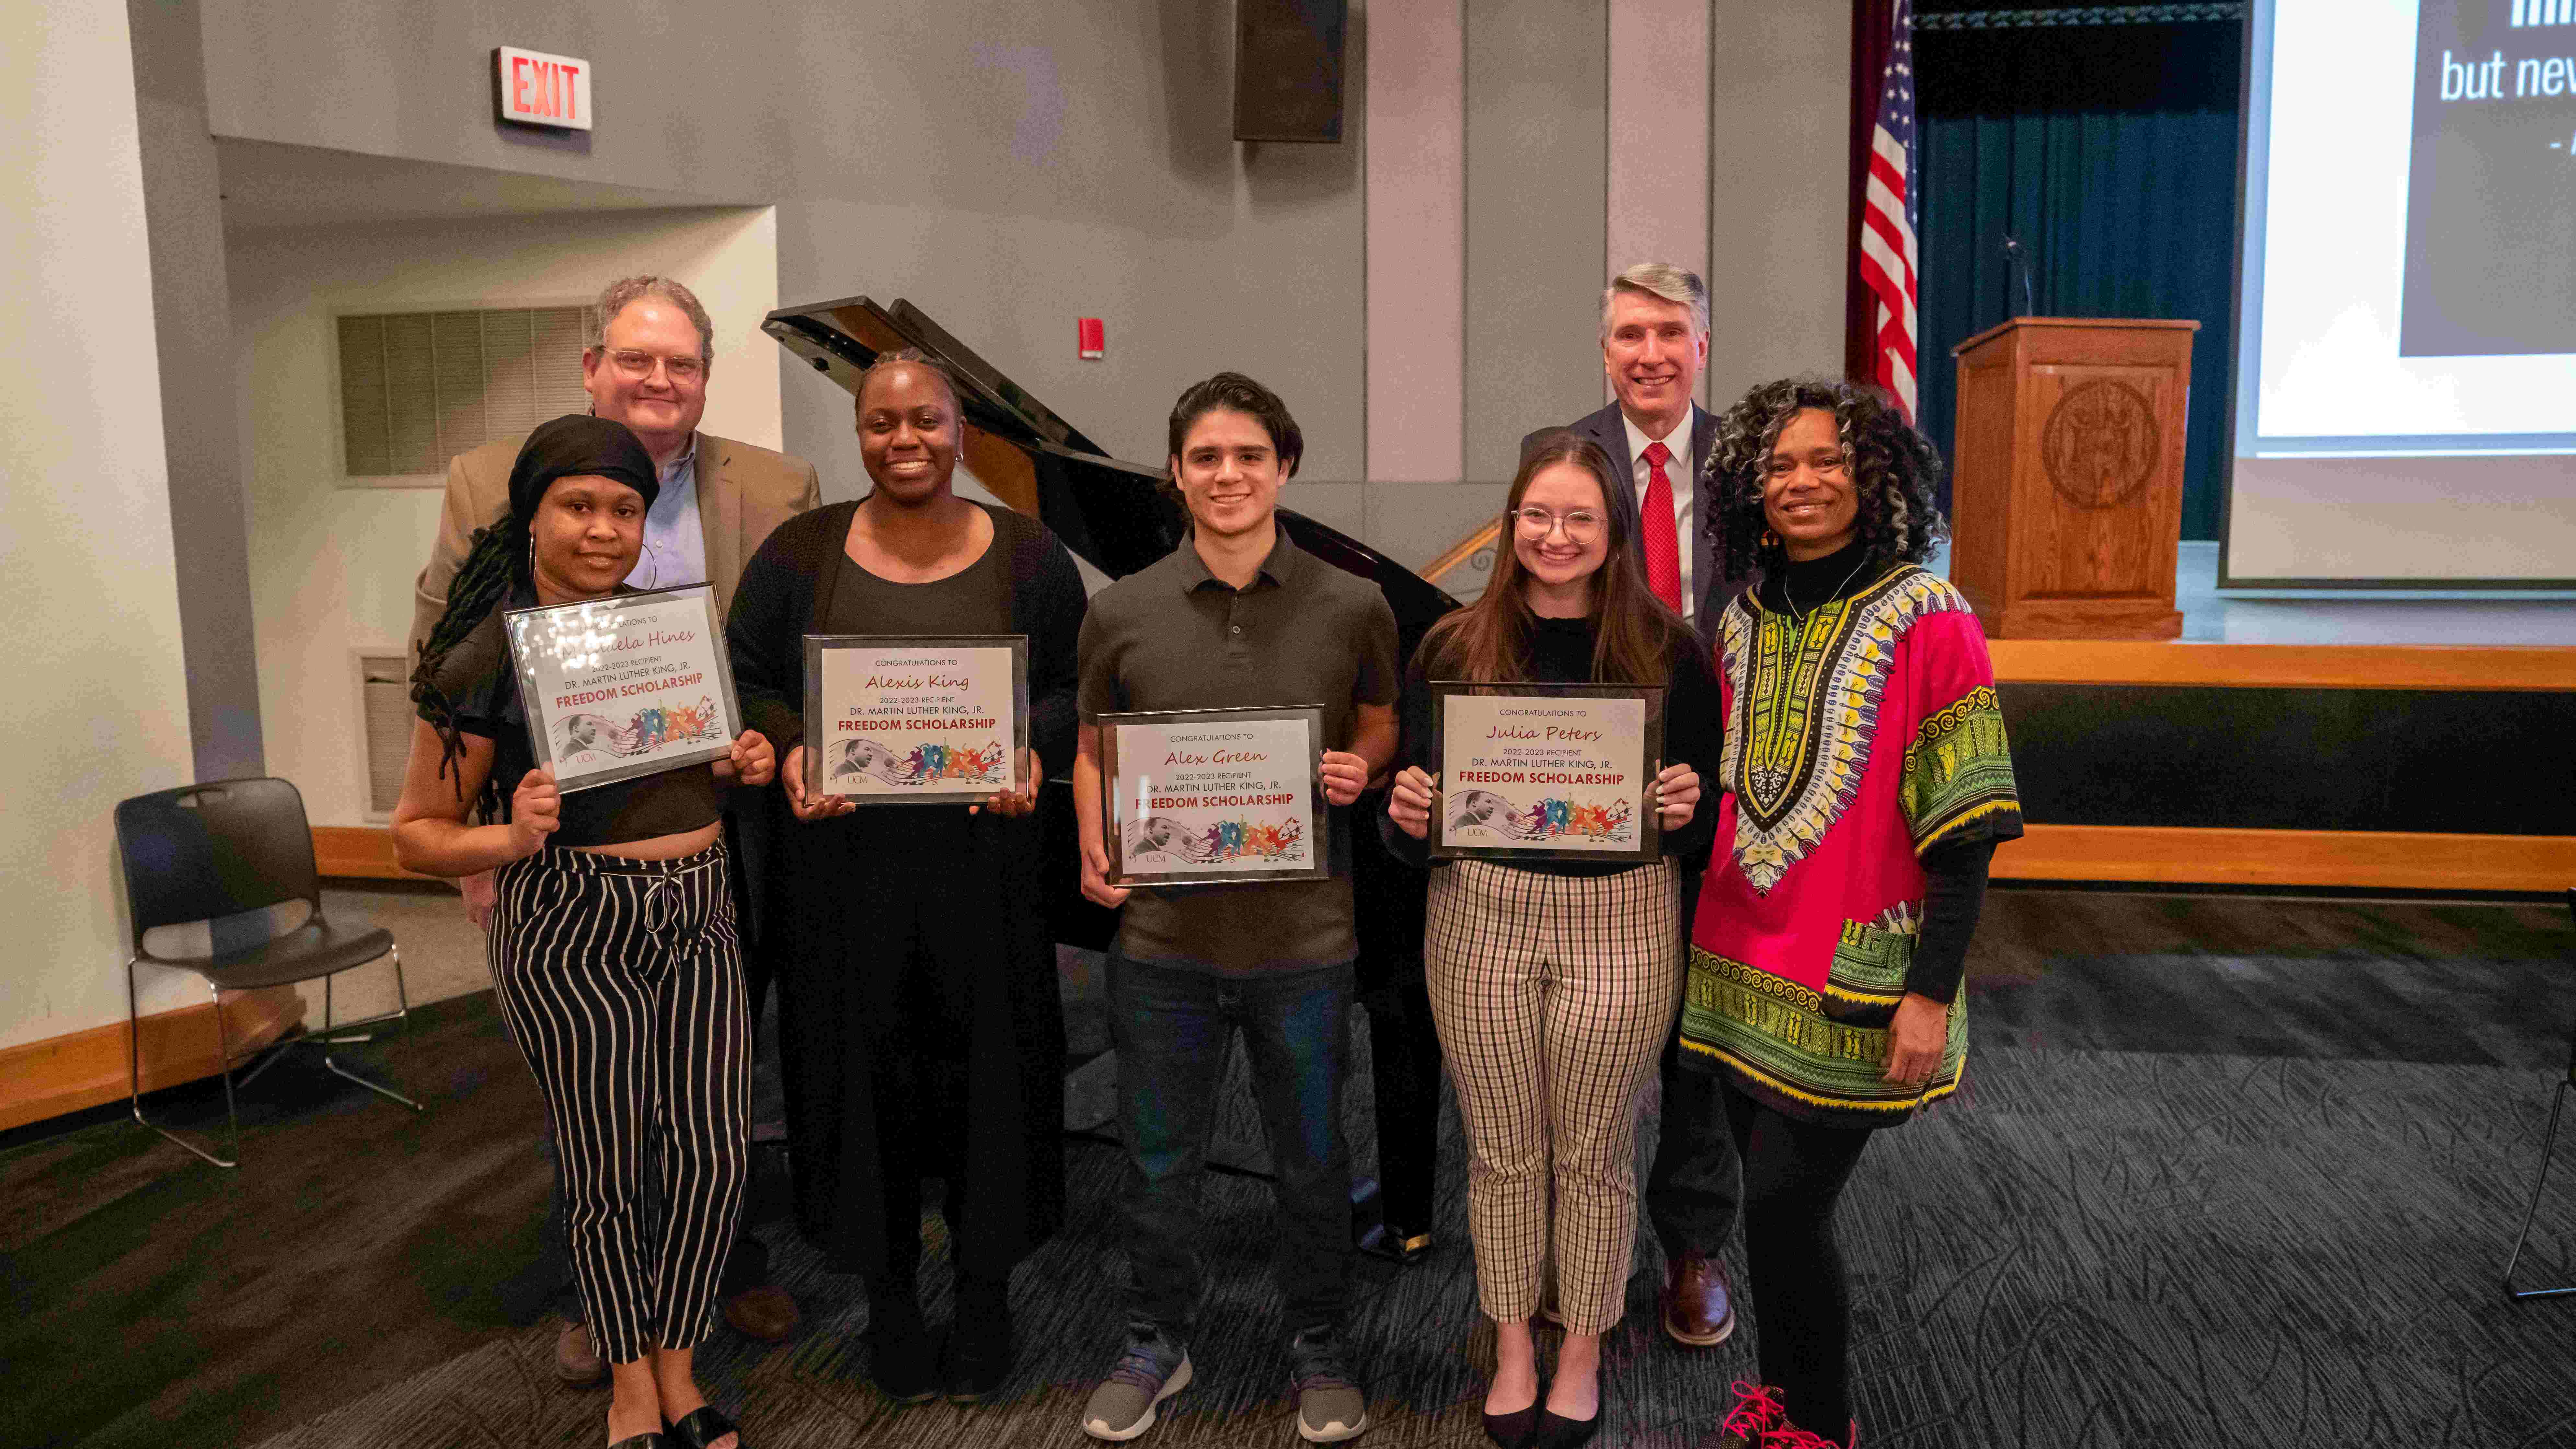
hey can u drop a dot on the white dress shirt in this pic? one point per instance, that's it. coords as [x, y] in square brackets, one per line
[1681, 471]
[675, 545]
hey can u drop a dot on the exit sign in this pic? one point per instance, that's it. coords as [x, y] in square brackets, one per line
[537, 89]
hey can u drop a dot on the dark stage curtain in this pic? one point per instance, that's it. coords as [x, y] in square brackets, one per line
[2110, 152]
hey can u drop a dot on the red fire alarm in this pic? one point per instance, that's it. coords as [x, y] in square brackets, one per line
[1091, 338]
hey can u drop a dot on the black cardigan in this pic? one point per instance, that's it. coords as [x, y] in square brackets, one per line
[787, 585]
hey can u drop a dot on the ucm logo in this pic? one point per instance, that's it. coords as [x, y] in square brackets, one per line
[2544, 12]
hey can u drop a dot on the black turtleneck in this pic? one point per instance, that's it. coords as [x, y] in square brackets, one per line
[1954, 890]
[1815, 582]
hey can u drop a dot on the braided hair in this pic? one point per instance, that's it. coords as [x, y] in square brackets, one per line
[496, 564]
[1895, 471]
[501, 559]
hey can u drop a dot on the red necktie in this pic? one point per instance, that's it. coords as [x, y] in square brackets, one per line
[1663, 547]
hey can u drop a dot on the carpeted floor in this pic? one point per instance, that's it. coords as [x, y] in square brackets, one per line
[2228, 1172]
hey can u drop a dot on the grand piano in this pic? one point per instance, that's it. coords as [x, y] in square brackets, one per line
[1117, 516]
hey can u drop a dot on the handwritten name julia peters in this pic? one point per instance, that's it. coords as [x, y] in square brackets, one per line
[1551, 732]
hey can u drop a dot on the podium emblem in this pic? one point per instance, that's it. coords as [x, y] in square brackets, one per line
[2099, 444]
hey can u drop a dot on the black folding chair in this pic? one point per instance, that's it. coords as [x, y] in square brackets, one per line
[2548, 1141]
[207, 852]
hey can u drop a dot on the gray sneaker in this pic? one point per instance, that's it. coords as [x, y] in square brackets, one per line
[1330, 1405]
[1154, 1368]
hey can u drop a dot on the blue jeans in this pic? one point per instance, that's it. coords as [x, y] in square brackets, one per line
[1173, 1029]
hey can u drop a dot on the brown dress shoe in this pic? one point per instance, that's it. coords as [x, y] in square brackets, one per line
[577, 1360]
[1698, 1304]
[765, 1313]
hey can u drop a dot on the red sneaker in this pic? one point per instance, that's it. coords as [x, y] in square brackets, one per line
[1756, 1414]
[1790, 1436]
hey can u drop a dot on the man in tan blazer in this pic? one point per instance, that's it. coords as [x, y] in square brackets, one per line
[742, 492]
[719, 500]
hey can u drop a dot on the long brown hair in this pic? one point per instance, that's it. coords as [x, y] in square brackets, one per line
[1635, 632]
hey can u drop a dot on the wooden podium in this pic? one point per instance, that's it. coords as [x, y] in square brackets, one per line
[2066, 504]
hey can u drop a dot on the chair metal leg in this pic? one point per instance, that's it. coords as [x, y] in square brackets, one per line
[401, 1013]
[2548, 1141]
[134, 1071]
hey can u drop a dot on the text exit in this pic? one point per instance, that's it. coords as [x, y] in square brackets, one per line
[536, 89]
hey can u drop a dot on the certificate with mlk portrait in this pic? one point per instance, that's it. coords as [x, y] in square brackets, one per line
[1533, 771]
[630, 685]
[909, 720]
[1213, 796]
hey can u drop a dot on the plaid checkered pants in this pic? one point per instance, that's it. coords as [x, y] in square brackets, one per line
[1553, 995]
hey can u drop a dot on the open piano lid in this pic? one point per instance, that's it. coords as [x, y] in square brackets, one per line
[1117, 515]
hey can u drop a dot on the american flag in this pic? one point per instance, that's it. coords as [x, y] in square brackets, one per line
[1887, 252]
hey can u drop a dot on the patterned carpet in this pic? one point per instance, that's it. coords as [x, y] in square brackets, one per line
[2172, 1223]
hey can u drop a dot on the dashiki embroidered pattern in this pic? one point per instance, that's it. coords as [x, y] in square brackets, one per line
[1858, 737]
[1800, 729]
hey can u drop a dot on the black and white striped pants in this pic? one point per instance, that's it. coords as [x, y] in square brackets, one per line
[1553, 995]
[621, 982]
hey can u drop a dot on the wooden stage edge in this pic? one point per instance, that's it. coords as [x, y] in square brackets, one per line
[2116, 854]
[2517, 667]
[2290, 859]
[43, 1079]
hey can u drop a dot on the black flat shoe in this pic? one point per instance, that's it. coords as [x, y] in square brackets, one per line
[701, 1427]
[975, 1361]
[1516, 1430]
[1558, 1432]
[904, 1363]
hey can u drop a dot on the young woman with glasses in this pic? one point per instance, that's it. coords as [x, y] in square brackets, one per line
[1554, 982]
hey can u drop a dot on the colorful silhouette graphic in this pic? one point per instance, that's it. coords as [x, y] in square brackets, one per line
[648, 730]
[1543, 820]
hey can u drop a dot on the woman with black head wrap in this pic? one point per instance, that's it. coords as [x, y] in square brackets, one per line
[614, 955]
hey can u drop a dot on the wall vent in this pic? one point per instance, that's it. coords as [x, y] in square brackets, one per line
[418, 388]
[384, 703]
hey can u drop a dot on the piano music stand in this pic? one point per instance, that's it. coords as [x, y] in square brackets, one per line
[2548, 1141]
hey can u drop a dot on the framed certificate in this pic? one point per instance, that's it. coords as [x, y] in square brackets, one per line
[633, 684]
[1213, 796]
[910, 720]
[1545, 771]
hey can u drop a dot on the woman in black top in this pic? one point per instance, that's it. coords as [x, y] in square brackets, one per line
[1554, 983]
[920, 1033]
[613, 949]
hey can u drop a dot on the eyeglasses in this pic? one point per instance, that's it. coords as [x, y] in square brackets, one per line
[1781, 465]
[1581, 526]
[639, 365]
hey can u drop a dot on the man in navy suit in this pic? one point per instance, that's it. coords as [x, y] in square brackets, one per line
[1654, 343]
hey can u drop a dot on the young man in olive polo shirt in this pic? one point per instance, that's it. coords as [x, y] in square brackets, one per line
[1236, 617]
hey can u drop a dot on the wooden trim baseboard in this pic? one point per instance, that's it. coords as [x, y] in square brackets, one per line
[358, 852]
[42, 1079]
[2534, 667]
[2385, 860]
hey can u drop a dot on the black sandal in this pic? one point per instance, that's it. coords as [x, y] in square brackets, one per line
[701, 1427]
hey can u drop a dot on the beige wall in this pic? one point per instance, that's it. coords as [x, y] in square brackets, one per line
[332, 566]
[89, 621]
